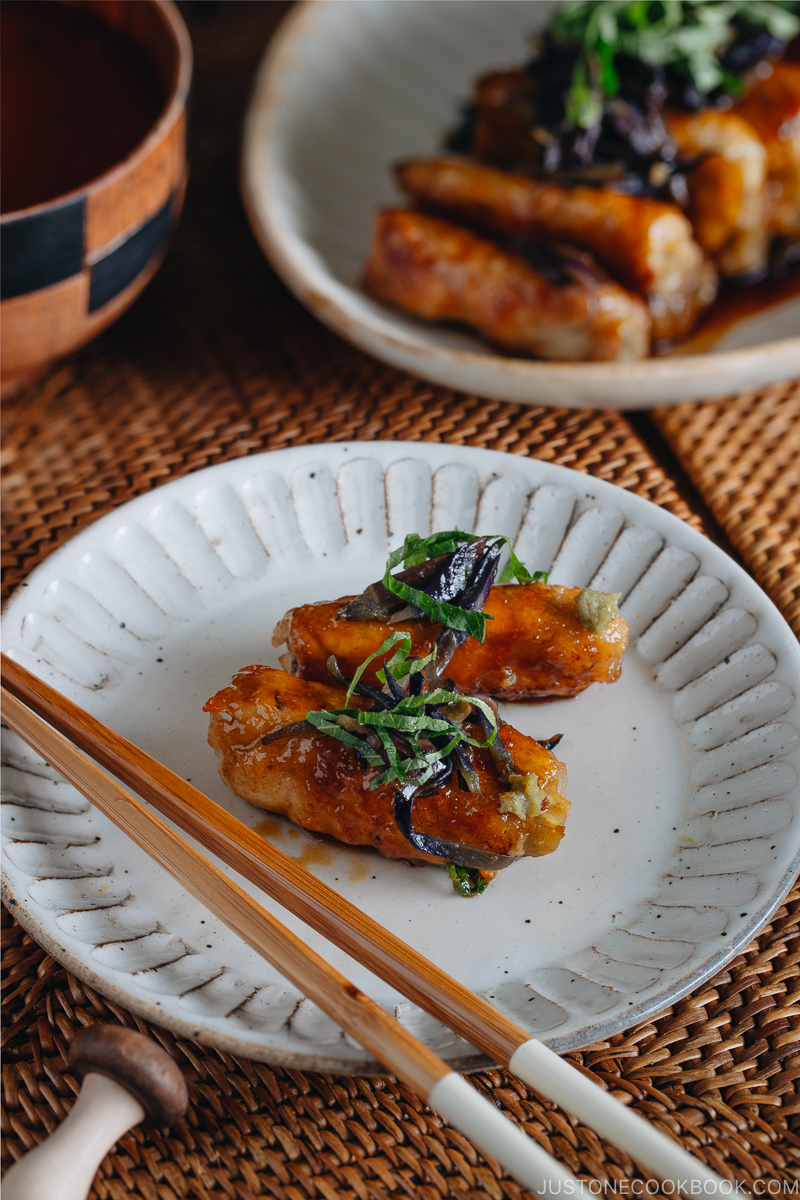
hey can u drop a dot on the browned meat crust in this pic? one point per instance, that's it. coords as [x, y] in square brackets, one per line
[440, 271]
[319, 784]
[727, 200]
[645, 244]
[535, 646]
[772, 107]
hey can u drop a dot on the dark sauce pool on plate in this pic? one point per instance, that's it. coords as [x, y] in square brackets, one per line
[737, 304]
[734, 304]
[77, 96]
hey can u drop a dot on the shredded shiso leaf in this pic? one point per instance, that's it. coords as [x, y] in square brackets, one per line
[595, 93]
[416, 735]
[465, 568]
[446, 577]
[467, 881]
[687, 37]
[406, 714]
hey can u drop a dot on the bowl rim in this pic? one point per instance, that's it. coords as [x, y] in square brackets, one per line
[174, 104]
[258, 146]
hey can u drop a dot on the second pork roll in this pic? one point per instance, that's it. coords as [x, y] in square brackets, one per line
[541, 640]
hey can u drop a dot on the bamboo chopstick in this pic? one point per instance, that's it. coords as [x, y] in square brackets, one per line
[361, 937]
[384, 1037]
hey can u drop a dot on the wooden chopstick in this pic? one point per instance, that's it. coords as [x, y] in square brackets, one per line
[360, 936]
[384, 1037]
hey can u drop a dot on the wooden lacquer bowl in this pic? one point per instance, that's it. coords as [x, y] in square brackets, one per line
[72, 264]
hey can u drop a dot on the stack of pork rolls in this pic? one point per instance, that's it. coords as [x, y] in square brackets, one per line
[382, 728]
[593, 201]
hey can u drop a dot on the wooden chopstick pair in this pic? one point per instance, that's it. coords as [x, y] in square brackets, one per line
[379, 1033]
[348, 927]
[382, 1035]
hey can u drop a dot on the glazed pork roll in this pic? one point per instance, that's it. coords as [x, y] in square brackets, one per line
[270, 756]
[551, 304]
[727, 190]
[772, 107]
[542, 640]
[647, 245]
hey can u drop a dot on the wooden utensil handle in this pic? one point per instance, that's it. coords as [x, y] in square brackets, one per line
[63, 1166]
[359, 1016]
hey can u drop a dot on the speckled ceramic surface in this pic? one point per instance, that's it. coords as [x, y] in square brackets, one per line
[683, 834]
[349, 87]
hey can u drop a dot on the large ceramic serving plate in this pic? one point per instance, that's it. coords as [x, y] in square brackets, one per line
[684, 831]
[347, 88]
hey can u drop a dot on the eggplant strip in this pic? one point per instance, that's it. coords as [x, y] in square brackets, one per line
[455, 852]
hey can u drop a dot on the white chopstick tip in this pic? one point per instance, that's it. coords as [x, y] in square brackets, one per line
[680, 1171]
[497, 1135]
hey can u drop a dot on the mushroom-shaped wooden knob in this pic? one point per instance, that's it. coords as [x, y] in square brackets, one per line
[127, 1079]
[135, 1062]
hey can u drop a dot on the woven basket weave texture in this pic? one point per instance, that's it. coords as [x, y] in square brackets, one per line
[743, 455]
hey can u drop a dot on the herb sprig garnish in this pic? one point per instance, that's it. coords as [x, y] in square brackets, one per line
[687, 38]
[408, 731]
[465, 582]
[467, 881]
[447, 578]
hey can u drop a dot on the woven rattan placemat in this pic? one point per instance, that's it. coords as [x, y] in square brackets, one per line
[743, 454]
[218, 361]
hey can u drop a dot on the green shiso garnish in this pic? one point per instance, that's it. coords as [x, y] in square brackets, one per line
[466, 880]
[417, 550]
[687, 35]
[425, 734]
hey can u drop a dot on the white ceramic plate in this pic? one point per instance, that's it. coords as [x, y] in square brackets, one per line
[683, 835]
[349, 87]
